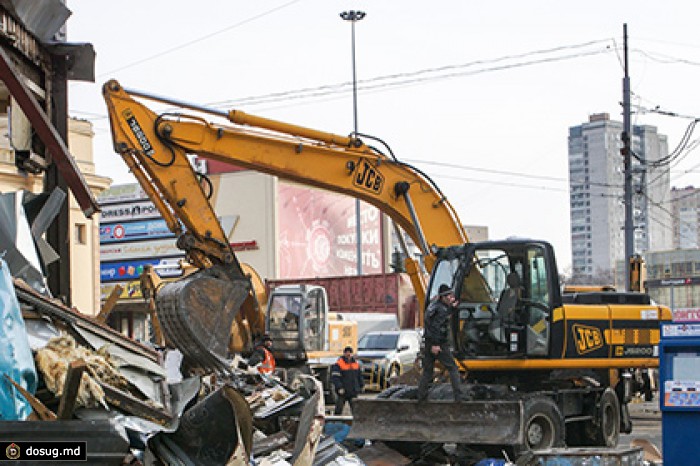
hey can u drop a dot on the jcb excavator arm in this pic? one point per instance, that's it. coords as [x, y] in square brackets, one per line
[155, 147]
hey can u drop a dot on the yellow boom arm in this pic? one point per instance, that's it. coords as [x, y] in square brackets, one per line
[155, 147]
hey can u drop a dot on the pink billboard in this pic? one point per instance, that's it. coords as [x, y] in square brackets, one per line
[317, 234]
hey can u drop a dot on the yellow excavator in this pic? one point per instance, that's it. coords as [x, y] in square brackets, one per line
[542, 369]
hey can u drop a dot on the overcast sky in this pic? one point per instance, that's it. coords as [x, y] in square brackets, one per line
[480, 95]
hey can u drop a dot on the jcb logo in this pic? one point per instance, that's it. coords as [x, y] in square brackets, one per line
[587, 339]
[367, 176]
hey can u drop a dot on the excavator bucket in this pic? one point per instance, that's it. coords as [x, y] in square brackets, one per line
[472, 422]
[196, 315]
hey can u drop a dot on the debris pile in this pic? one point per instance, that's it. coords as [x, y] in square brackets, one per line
[116, 394]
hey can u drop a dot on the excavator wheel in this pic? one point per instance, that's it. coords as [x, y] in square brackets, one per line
[196, 314]
[603, 430]
[544, 424]
[608, 415]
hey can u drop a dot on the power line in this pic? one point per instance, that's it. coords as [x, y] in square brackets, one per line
[572, 182]
[499, 183]
[402, 78]
[396, 80]
[201, 39]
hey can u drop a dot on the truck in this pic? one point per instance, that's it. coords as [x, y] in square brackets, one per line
[312, 320]
[354, 297]
[539, 372]
[306, 339]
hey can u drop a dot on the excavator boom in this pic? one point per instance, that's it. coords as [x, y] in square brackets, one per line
[196, 312]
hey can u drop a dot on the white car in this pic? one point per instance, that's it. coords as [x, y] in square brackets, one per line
[386, 354]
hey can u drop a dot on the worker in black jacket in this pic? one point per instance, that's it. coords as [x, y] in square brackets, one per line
[347, 380]
[436, 344]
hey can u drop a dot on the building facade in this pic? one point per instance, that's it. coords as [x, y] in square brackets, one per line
[685, 207]
[84, 232]
[596, 189]
[673, 279]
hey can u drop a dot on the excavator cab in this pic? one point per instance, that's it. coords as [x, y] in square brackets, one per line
[506, 292]
[296, 320]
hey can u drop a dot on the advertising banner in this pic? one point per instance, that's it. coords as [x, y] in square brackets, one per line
[134, 231]
[130, 290]
[317, 234]
[132, 269]
[124, 251]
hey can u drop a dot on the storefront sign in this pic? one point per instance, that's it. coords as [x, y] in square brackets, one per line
[134, 231]
[686, 314]
[131, 270]
[140, 250]
[130, 290]
[123, 193]
[127, 212]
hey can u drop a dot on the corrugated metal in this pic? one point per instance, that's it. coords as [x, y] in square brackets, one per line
[378, 293]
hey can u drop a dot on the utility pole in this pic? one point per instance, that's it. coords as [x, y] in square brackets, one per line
[355, 16]
[627, 163]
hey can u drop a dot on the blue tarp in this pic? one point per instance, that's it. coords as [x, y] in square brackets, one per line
[15, 355]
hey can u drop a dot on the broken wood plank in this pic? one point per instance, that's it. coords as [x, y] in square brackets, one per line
[70, 389]
[109, 304]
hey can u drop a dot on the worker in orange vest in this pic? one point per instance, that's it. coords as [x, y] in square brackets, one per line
[347, 379]
[262, 356]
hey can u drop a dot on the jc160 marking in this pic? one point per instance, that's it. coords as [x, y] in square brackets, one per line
[367, 176]
[138, 132]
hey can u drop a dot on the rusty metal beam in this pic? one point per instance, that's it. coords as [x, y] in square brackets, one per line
[59, 152]
[131, 405]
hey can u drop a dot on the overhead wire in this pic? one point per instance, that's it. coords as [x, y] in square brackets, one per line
[201, 38]
[572, 182]
[396, 80]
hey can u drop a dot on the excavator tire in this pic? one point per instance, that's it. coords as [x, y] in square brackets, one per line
[608, 415]
[544, 425]
[196, 314]
[390, 391]
[603, 430]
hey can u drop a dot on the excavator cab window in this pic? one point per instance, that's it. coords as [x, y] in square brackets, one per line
[283, 319]
[504, 295]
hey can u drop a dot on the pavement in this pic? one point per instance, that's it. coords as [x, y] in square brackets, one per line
[646, 425]
[645, 409]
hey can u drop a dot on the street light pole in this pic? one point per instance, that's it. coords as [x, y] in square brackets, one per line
[355, 16]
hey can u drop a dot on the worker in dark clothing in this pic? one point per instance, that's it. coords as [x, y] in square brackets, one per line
[436, 344]
[347, 380]
[262, 356]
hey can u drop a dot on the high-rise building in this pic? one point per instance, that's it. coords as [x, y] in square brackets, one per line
[596, 187]
[685, 206]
